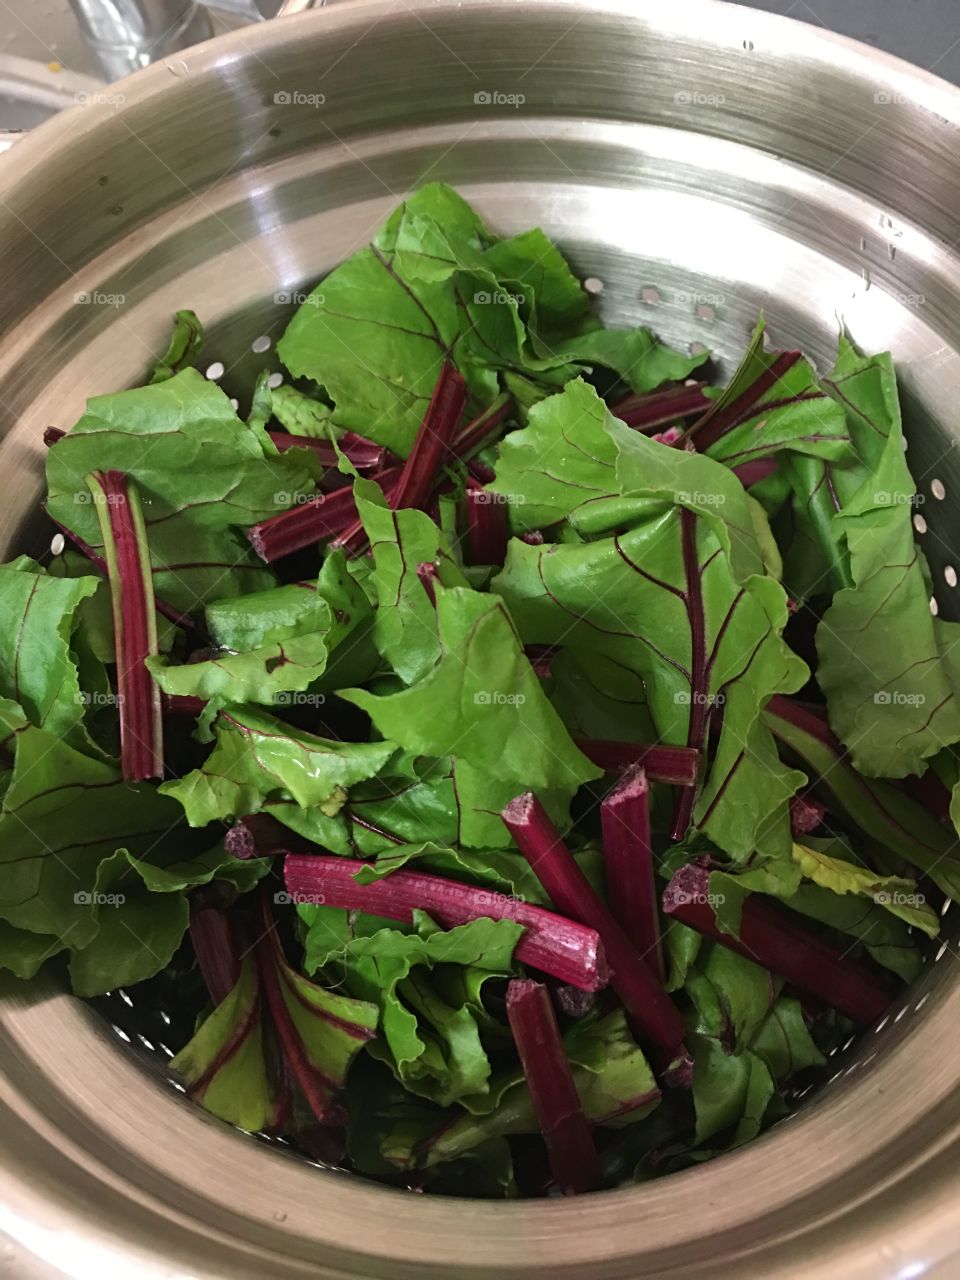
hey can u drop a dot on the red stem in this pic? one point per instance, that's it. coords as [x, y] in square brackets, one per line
[317, 1089]
[433, 440]
[429, 577]
[365, 454]
[699, 700]
[718, 420]
[134, 624]
[98, 562]
[679, 766]
[566, 1131]
[483, 430]
[214, 945]
[487, 531]
[751, 473]
[559, 947]
[662, 408]
[647, 1004]
[774, 939]
[325, 515]
[628, 858]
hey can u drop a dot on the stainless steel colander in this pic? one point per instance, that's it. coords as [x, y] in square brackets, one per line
[701, 161]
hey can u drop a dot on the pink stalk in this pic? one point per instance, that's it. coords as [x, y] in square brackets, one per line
[214, 945]
[559, 947]
[751, 473]
[649, 1007]
[433, 440]
[174, 615]
[183, 704]
[487, 531]
[322, 516]
[628, 858]
[679, 766]
[778, 942]
[662, 408]
[566, 1130]
[365, 454]
[134, 623]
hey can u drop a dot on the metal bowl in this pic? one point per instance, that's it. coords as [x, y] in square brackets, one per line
[702, 161]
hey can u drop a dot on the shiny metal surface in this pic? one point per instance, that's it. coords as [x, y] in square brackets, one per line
[702, 161]
[126, 35]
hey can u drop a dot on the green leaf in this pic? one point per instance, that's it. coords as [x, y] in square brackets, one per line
[793, 413]
[641, 360]
[897, 894]
[481, 702]
[202, 475]
[614, 1083]
[257, 758]
[300, 414]
[891, 696]
[142, 915]
[635, 600]
[37, 669]
[887, 939]
[284, 638]
[432, 1045]
[784, 1043]
[186, 342]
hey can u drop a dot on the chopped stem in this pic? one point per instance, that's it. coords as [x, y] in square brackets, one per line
[774, 939]
[260, 835]
[679, 766]
[321, 516]
[648, 1005]
[433, 441]
[52, 436]
[134, 623]
[214, 945]
[662, 408]
[628, 858]
[487, 530]
[364, 454]
[566, 1130]
[562, 948]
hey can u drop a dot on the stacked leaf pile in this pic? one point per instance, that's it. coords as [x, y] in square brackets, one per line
[544, 758]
